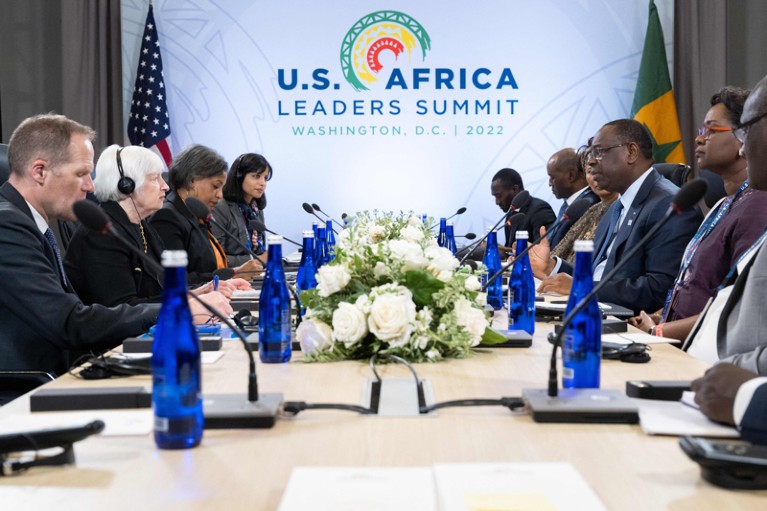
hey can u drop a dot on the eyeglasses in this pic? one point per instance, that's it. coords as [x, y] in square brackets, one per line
[599, 152]
[707, 131]
[741, 131]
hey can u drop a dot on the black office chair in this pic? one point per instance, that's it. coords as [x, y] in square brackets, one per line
[679, 174]
[16, 383]
[5, 169]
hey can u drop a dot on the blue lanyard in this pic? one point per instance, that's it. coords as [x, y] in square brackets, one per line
[703, 231]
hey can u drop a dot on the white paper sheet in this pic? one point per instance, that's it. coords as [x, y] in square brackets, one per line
[676, 418]
[117, 422]
[502, 486]
[356, 488]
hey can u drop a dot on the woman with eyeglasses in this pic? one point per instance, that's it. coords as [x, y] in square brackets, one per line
[243, 205]
[730, 228]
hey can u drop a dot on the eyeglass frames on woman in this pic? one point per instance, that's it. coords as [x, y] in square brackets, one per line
[707, 131]
[741, 131]
[599, 152]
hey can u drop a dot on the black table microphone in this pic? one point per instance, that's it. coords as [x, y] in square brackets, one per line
[223, 410]
[574, 212]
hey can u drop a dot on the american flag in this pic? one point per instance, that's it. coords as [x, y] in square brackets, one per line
[149, 123]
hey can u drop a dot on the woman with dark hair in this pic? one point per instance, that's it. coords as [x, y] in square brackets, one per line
[198, 172]
[243, 203]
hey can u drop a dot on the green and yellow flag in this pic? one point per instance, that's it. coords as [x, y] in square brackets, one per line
[654, 104]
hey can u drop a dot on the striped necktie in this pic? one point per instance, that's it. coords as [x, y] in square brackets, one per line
[612, 231]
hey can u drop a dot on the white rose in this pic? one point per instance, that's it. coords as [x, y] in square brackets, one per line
[332, 279]
[472, 319]
[349, 324]
[343, 240]
[391, 318]
[363, 303]
[314, 335]
[441, 263]
[482, 299]
[376, 233]
[380, 270]
[407, 252]
[473, 283]
[412, 233]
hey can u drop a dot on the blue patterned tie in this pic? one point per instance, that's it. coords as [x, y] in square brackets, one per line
[611, 232]
[51, 239]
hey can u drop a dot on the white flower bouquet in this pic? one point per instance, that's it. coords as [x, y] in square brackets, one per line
[391, 289]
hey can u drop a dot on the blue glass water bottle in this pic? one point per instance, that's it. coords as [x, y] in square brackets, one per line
[450, 238]
[330, 238]
[582, 341]
[492, 262]
[522, 290]
[274, 308]
[442, 236]
[321, 252]
[307, 269]
[176, 376]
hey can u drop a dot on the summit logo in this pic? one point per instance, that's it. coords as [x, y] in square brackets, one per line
[377, 32]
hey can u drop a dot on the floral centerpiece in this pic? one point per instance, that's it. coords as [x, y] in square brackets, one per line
[391, 289]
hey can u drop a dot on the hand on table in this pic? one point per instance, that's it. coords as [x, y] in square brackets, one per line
[557, 283]
[715, 392]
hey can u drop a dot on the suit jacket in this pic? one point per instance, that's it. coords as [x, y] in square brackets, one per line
[103, 271]
[42, 321]
[753, 426]
[230, 217]
[742, 327]
[179, 229]
[538, 213]
[559, 232]
[644, 281]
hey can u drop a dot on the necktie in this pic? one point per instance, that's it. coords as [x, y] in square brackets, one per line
[611, 232]
[51, 239]
[562, 210]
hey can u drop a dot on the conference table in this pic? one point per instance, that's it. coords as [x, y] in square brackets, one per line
[249, 469]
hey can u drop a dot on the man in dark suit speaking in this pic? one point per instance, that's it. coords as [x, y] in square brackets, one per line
[41, 318]
[620, 159]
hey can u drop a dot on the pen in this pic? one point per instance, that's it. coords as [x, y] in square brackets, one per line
[215, 282]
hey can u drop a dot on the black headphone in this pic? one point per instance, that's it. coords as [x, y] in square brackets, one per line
[236, 165]
[126, 184]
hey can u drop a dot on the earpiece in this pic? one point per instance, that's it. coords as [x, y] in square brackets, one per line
[126, 184]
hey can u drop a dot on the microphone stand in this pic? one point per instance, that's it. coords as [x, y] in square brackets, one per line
[226, 410]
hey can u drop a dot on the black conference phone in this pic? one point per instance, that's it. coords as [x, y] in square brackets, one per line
[728, 463]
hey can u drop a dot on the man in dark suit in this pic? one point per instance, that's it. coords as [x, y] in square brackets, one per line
[567, 179]
[732, 395]
[42, 319]
[620, 159]
[506, 184]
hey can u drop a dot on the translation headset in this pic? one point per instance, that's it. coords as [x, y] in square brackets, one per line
[126, 184]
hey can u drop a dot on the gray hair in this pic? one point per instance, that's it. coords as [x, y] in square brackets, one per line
[137, 162]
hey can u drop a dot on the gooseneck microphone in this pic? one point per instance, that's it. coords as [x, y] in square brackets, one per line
[468, 236]
[516, 202]
[202, 212]
[317, 208]
[685, 199]
[573, 213]
[309, 209]
[226, 411]
[460, 211]
[261, 227]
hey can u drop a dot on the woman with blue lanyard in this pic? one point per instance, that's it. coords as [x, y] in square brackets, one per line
[731, 227]
[243, 203]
